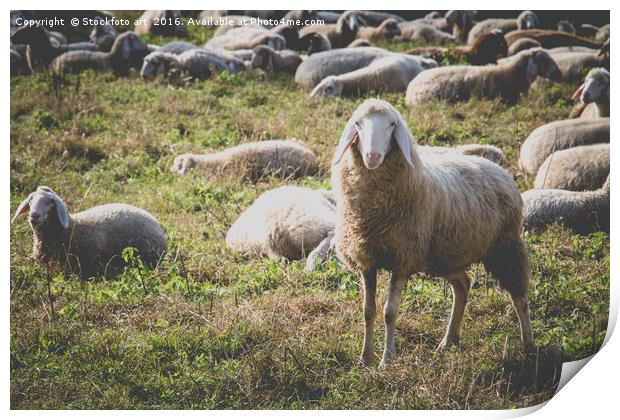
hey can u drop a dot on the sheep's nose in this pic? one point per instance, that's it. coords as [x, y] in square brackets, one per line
[585, 97]
[372, 158]
[34, 217]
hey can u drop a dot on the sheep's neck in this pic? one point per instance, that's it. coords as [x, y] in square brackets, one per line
[51, 242]
[602, 107]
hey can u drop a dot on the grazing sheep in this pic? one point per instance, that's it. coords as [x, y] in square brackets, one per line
[549, 39]
[272, 62]
[91, 241]
[583, 212]
[127, 52]
[417, 31]
[594, 95]
[161, 22]
[526, 20]
[197, 64]
[390, 74]
[246, 37]
[560, 135]
[286, 222]
[387, 30]
[314, 43]
[282, 158]
[486, 49]
[407, 213]
[581, 168]
[522, 45]
[507, 81]
[340, 34]
[334, 62]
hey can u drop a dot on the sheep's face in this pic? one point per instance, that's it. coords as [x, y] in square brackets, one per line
[263, 59]
[46, 209]
[330, 86]
[527, 20]
[153, 67]
[390, 28]
[275, 42]
[595, 87]
[541, 64]
[372, 132]
[183, 163]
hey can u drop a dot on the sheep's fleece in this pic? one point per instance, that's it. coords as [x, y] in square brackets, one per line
[286, 222]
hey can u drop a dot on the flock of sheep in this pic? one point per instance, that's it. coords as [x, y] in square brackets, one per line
[395, 205]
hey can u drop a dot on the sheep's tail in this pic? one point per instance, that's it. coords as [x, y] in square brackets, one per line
[509, 263]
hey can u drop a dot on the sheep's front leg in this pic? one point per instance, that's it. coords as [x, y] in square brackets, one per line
[370, 311]
[390, 313]
[460, 285]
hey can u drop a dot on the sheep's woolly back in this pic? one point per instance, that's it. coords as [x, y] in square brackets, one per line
[418, 31]
[560, 135]
[582, 212]
[282, 158]
[286, 222]
[573, 64]
[490, 153]
[334, 62]
[439, 216]
[507, 80]
[581, 168]
[488, 25]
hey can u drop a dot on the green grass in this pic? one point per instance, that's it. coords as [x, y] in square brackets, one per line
[212, 329]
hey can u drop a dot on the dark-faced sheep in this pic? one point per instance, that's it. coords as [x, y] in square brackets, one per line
[407, 213]
[272, 62]
[91, 241]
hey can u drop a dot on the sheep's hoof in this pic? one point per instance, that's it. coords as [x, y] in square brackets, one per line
[364, 360]
[446, 343]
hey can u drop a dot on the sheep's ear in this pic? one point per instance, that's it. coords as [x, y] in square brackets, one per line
[578, 92]
[348, 137]
[63, 213]
[401, 134]
[22, 208]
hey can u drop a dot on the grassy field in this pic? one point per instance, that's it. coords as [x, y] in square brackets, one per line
[212, 329]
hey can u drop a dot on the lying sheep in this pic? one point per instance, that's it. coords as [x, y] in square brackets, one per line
[391, 74]
[582, 212]
[340, 34]
[282, 158]
[574, 64]
[550, 39]
[416, 31]
[407, 213]
[197, 64]
[161, 22]
[388, 29]
[593, 94]
[560, 135]
[246, 37]
[272, 62]
[507, 81]
[486, 49]
[490, 153]
[581, 168]
[91, 241]
[286, 222]
[334, 62]
[127, 52]
[526, 20]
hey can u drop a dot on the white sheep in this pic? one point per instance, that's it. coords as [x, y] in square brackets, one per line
[194, 63]
[391, 73]
[419, 31]
[581, 168]
[560, 135]
[286, 222]
[283, 158]
[507, 80]
[581, 211]
[593, 94]
[525, 20]
[407, 213]
[91, 241]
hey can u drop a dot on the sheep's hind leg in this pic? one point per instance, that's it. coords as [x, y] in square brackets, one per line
[460, 285]
[370, 311]
[390, 313]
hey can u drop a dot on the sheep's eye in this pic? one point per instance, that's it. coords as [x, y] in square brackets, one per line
[393, 125]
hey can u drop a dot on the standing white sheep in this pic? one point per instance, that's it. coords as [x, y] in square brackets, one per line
[91, 241]
[399, 212]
